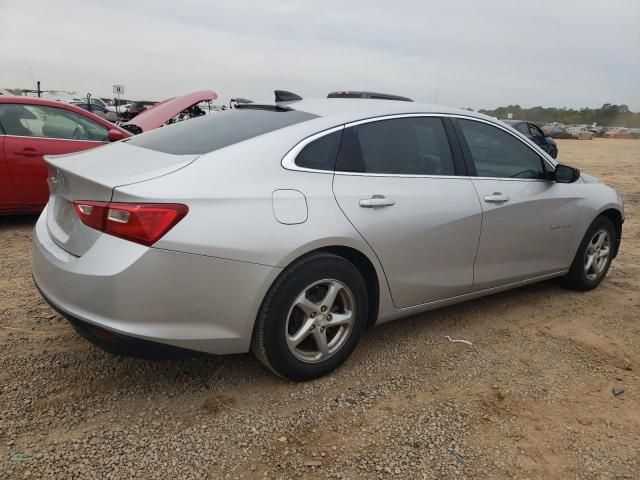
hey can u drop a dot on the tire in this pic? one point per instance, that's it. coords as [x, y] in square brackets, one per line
[580, 277]
[282, 318]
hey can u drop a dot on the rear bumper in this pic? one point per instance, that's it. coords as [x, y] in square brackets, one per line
[188, 301]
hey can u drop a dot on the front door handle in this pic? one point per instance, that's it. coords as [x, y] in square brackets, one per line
[376, 201]
[28, 152]
[497, 197]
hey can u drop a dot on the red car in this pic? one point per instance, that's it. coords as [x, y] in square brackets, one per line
[33, 127]
[618, 133]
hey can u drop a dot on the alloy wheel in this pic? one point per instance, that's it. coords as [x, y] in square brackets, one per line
[320, 320]
[597, 254]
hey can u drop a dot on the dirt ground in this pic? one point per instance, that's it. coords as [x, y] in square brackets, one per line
[531, 399]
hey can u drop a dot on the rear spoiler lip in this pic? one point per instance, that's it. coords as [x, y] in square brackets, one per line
[263, 106]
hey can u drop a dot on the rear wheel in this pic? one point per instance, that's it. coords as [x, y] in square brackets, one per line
[312, 318]
[593, 257]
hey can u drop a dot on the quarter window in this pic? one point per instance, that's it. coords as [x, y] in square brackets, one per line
[321, 153]
[407, 146]
[496, 153]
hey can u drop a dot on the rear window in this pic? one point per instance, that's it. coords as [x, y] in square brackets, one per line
[217, 130]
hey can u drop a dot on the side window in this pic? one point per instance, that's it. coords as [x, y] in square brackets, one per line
[15, 118]
[496, 153]
[63, 124]
[321, 153]
[523, 128]
[49, 122]
[408, 146]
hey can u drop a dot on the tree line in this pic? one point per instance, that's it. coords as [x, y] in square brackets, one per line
[609, 115]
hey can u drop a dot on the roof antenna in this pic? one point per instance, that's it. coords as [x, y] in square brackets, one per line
[284, 96]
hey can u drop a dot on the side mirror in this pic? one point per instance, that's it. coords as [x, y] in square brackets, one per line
[566, 174]
[115, 135]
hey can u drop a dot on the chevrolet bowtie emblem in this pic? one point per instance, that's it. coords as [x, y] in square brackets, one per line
[55, 183]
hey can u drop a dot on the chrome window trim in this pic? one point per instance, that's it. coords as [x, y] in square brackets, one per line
[288, 161]
[450, 177]
[56, 138]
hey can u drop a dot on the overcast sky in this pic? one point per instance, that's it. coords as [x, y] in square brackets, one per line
[469, 53]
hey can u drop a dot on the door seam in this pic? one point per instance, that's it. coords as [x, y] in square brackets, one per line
[386, 278]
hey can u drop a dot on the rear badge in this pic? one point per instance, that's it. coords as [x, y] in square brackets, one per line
[55, 182]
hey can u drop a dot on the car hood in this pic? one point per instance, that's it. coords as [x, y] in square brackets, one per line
[588, 178]
[164, 111]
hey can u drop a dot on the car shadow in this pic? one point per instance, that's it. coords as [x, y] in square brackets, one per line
[209, 370]
[8, 222]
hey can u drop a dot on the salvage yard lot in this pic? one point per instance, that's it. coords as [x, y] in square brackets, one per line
[532, 398]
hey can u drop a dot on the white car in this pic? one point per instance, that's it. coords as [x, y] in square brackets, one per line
[582, 134]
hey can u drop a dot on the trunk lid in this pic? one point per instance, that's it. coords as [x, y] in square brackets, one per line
[93, 175]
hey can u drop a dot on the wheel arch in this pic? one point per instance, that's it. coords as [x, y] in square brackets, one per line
[368, 272]
[615, 216]
[369, 268]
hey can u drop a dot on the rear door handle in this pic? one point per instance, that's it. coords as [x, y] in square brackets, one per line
[376, 201]
[497, 197]
[28, 152]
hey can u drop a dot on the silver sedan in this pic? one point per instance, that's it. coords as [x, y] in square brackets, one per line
[289, 228]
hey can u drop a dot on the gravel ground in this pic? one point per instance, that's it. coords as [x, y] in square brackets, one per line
[531, 399]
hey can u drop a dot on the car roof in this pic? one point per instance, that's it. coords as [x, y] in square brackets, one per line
[354, 109]
[57, 104]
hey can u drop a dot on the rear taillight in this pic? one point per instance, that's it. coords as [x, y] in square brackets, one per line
[143, 223]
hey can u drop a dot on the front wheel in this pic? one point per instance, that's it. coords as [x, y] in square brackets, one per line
[312, 317]
[593, 258]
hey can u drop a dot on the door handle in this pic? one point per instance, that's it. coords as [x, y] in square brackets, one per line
[376, 201]
[28, 152]
[497, 197]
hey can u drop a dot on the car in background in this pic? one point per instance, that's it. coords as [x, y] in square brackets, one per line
[581, 133]
[98, 110]
[618, 133]
[290, 229]
[119, 106]
[93, 100]
[31, 128]
[135, 109]
[556, 132]
[534, 133]
[169, 111]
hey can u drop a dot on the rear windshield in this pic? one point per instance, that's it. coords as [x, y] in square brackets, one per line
[217, 130]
